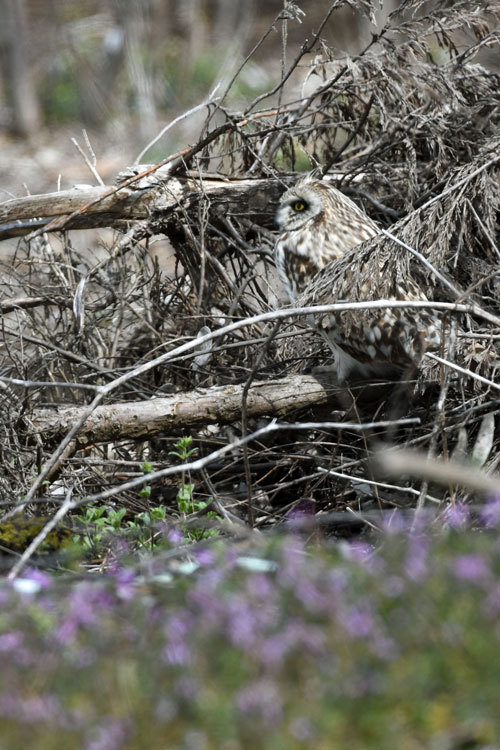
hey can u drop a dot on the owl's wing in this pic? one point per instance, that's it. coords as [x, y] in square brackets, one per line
[376, 339]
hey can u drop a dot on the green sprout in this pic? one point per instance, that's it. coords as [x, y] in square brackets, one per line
[183, 452]
[185, 494]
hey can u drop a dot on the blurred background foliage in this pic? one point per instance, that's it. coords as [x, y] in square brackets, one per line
[128, 65]
[123, 69]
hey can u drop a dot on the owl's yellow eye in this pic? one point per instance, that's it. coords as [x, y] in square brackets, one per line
[298, 206]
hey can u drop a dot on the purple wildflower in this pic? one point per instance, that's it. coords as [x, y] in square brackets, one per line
[456, 515]
[473, 568]
[34, 710]
[87, 603]
[303, 635]
[416, 564]
[337, 581]
[44, 580]
[272, 651]
[490, 513]
[241, 622]
[125, 583]
[10, 641]
[357, 620]
[174, 536]
[294, 636]
[261, 700]
[205, 557]
[259, 586]
[125, 575]
[66, 631]
[298, 516]
[310, 595]
[357, 551]
[178, 626]
[177, 653]
[177, 650]
[41, 708]
[111, 735]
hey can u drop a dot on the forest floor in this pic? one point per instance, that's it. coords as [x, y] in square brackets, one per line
[51, 160]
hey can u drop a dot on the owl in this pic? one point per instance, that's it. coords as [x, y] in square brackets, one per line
[373, 343]
[318, 223]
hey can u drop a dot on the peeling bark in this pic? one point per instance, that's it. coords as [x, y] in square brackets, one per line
[154, 196]
[169, 415]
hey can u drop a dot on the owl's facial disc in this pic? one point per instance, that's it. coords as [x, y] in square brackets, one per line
[297, 208]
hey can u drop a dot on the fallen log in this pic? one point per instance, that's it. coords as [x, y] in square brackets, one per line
[192, 409]
[87, 206]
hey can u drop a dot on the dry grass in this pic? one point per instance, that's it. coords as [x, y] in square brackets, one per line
[403, 124]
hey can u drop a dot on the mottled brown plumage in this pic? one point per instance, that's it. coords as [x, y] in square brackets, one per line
[318, 224]
[373, 343]
[320, 227]
[328, 253]
[324, 228]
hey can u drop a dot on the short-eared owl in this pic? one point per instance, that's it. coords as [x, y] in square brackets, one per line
[373, 343]
[318, 224]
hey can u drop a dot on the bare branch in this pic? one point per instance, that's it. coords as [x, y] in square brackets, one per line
[402, 462]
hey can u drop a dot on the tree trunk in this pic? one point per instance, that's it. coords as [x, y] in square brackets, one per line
[25, 105]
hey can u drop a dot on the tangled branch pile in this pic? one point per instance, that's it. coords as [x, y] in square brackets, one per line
[408, 128]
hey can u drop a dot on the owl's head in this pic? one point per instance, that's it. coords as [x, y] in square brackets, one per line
[299, 206]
